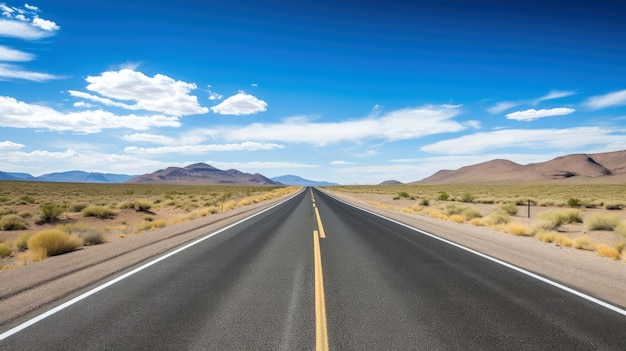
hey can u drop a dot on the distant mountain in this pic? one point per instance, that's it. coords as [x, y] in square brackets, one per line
[391, 182]
[201, 173]
[602, 167]
[69, 177]
[299, 181]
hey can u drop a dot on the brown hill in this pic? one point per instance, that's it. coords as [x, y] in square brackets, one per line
[391, 182]
[609, 167]
[201, 173]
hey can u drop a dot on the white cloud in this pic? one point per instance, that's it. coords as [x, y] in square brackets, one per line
[502, 106]
[201, 149]
[616, 98]
[554, 94]
[46, 25]
[18, 114]
[240, 104]
[340, 163]
[9, 145]
[11, 71]
[159, 93]
[82, 104]
[31, 7]
[532, 114]
[396, 125]
[149, 138]
[8, 54]
[215, 96]
[564, 139]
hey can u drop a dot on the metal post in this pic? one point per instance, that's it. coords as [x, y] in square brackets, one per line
[528, 208]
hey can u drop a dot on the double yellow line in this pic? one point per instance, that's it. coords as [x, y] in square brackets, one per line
[321, 330]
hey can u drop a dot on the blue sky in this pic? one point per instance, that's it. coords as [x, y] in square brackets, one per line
[355, 92]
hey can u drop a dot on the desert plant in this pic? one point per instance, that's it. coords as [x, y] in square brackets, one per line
[467, 197]
[12, 222]
[583, 243]
[49, 213]
[563, 240]
[498, 217]
[613, 205]
[558, 218]
[98, 212]
[607, 251]
[21, 243]
[5, 250]
[443, 196]
[78, 207]
[546, 236]
[574, 202]
[89, 235]
[425, 202]
[54, 242]
[518, 229]
[603, 222]
[509, 208]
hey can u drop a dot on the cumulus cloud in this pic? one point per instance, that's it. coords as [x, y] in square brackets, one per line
[396, 125]
[46, 25]
[201, 149]
[240, 104]
[524, 139]
[9, 145]
[532, 114]
[616, 98]
[159, 93]
[18, 114]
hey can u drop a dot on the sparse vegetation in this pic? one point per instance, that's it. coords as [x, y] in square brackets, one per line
[607, 251]
[509, 208]
[49, 213]
[559, 218]
[583, 243]
[5, 250]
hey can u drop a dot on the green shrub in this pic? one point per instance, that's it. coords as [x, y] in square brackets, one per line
[573, 202]
[137, 205]
[425, 202]
[498, 217]
[98, 211]
[404, 194]
[467, 198]
[12, 222]
[27, 199]
[54, 242]
[443, 196]
[5, 250]
[509, 208]
[49, 213]
[603, 222]
[77, 207]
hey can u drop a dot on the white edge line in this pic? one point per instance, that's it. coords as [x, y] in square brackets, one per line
[69, 303]
[495, 260]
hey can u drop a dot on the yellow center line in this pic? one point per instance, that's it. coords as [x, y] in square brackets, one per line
[319, 223]
[321, 331]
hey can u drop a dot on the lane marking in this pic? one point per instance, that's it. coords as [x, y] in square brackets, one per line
[319, 223]
[99, 288]
[498, 261]
[321, 330]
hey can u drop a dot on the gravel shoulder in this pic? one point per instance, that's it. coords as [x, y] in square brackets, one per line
[582, 270]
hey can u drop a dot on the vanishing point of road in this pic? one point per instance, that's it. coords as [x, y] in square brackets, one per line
[314, 273]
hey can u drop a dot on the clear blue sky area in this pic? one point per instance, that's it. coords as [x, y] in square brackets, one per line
[354, 92]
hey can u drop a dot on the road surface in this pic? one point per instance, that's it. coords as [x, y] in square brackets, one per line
[315, 273]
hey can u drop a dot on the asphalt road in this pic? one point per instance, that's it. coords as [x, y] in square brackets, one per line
[279, 281]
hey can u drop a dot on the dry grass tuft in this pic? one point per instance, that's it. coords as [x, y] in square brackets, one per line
[458, 218]
[558, 218]
[583, 243]
[607, 251]
[98, 212]
[519, 229]
[54, 242]
[546, 236]
[12, 222]
[5, 250]
[563, 240]
[603, 222]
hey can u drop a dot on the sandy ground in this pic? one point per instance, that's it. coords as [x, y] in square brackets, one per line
[26, 288]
